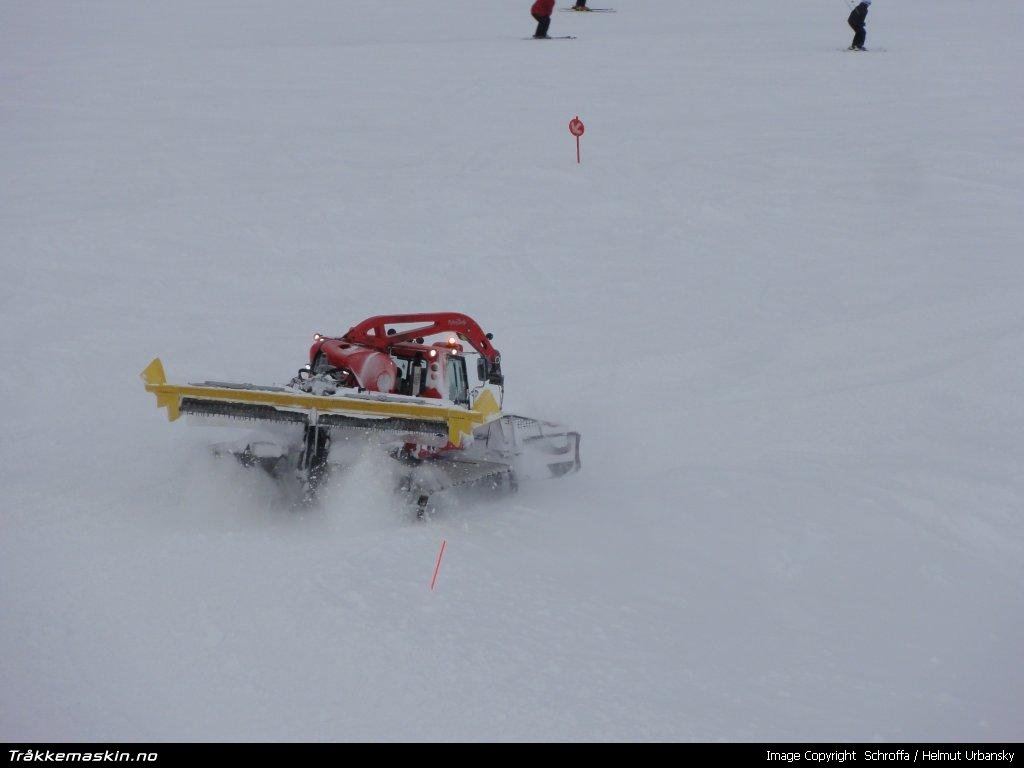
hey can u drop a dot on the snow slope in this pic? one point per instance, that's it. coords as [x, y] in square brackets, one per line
[782, 298]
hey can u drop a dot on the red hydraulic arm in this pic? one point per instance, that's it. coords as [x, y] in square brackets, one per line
[372, 332]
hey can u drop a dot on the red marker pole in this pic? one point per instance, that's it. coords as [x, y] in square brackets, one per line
[576, 128]
[437, 567]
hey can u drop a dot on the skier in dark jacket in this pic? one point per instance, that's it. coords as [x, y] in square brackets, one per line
[541, 11]
[856, 21]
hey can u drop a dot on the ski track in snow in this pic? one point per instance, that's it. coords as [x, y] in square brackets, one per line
[781, 298]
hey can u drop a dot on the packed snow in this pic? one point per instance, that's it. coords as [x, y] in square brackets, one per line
[782, 298]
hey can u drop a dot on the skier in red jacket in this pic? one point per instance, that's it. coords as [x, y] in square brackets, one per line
[541, 11]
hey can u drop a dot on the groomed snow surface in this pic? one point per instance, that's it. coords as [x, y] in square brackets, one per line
[782, 298]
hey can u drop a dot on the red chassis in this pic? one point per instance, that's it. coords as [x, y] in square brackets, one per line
[390, 354]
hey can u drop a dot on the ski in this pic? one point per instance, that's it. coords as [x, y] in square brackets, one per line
[589, 10]
[552, 37]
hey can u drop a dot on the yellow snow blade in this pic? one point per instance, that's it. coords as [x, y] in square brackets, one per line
[460, 422]
[166, 396]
